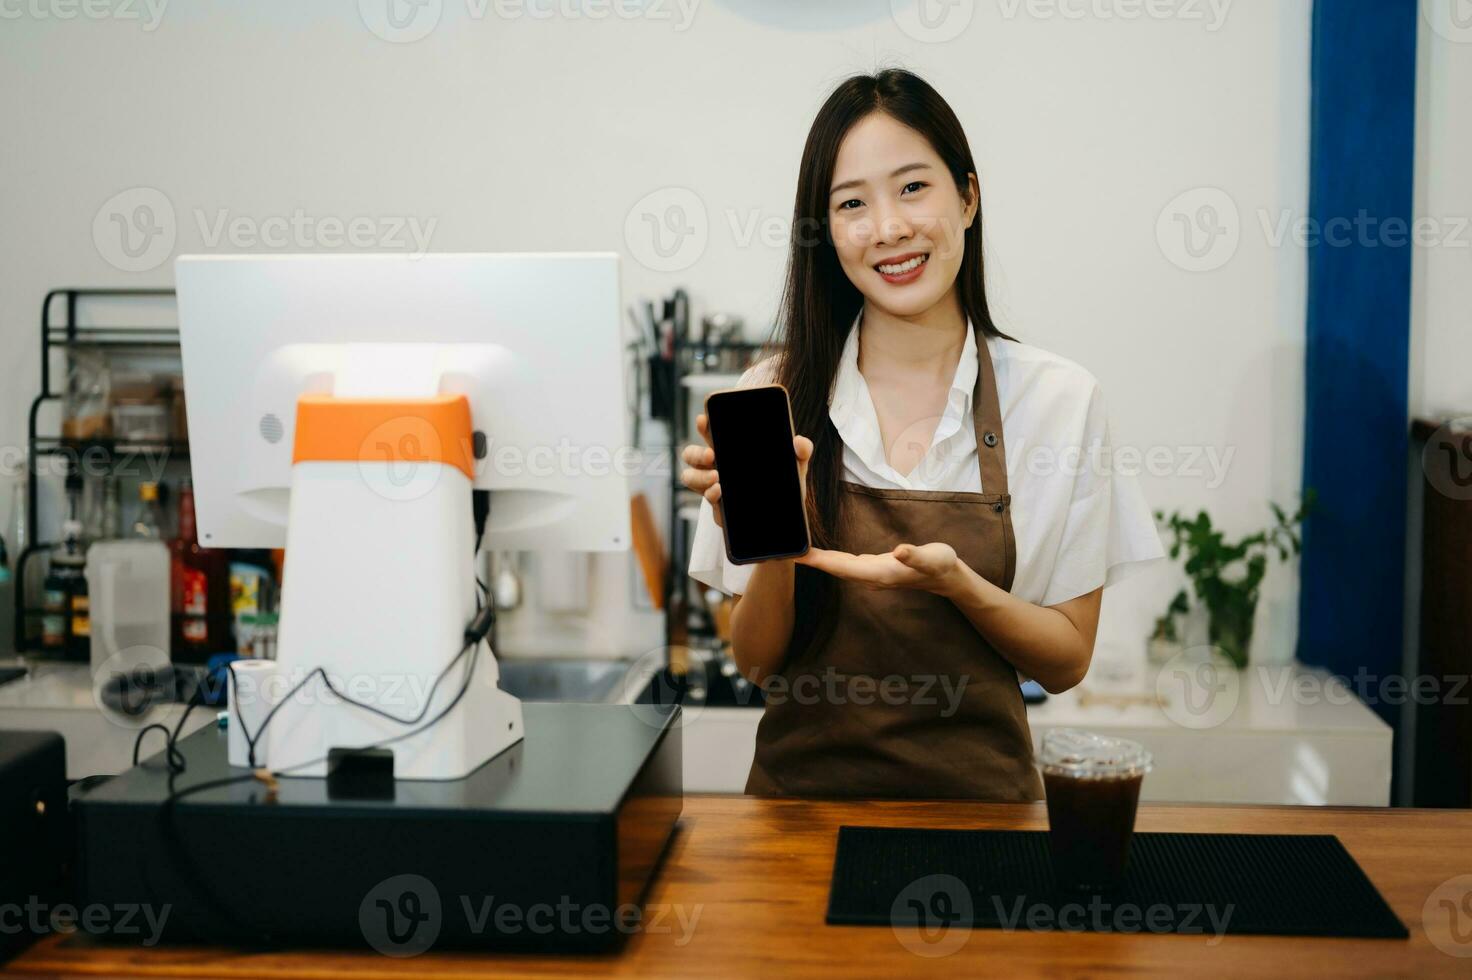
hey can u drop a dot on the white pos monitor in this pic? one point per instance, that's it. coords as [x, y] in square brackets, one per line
[533, 339]
[344, 407]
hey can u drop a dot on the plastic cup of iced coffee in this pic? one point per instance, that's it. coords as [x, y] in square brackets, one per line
[1093, 789]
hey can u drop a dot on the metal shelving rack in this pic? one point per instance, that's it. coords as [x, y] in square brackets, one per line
[68, 336]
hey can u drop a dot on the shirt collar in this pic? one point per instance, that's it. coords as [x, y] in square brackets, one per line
[852, 410]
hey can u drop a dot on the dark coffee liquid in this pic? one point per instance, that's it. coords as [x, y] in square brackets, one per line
[1089, 826]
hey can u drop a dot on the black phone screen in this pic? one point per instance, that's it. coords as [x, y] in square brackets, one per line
[761, 498]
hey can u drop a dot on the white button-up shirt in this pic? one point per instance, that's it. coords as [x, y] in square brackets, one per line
[1079, 523]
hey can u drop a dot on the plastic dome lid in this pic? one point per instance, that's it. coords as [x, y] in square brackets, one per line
[1084, 755]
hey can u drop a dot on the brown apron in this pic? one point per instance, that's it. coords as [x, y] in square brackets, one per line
[898, 694]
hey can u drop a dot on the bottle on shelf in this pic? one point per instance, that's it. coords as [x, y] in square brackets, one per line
[200, 584]
[17, 533]
[74, 506]
[112, 509]
[252, 595]
[53, 612]
[7, 605]
[15, 527]
[66, 623]
[94, 519]
[150, 520]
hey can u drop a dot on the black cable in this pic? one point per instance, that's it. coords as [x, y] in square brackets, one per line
[480, 509]
[480, 626]
[138, 742]
[464, 686]
[222, 911]
[480, 504]
[460, 694]
[172, 755]
[251, 740]
[474, 633]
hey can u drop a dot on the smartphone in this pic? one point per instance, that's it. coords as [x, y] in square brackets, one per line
[761, 495]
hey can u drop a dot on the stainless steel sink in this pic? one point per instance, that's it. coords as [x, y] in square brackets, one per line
[591, 681]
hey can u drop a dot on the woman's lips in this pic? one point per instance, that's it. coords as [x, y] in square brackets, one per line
[904, 268]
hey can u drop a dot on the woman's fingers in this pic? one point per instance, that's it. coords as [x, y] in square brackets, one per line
[713, 497]
[824, 560]
[699, 456]
[932, 561]
[876, 571]
[803, 447]
[702, 476]
[699, 480]
[699, 474]
[862, 568]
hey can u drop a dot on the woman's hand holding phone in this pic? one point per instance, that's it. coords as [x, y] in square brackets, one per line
[931, 567]
[702, 476]
[764, 615]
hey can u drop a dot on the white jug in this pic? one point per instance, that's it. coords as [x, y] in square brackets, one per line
[128, 589]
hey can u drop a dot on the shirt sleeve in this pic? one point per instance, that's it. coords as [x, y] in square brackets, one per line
[1109, 530]
[708, 562]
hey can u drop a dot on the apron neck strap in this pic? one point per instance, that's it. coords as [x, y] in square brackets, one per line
[986, 414]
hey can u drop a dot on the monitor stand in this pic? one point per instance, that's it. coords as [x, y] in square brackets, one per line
[378, 588]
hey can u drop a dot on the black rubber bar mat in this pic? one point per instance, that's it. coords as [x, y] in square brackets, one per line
[1196, 884]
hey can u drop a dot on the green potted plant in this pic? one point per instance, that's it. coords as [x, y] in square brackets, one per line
[1227, 576]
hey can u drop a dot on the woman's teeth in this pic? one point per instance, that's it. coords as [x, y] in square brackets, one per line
[904, 267]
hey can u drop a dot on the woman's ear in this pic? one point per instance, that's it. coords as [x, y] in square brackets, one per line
[972, 202]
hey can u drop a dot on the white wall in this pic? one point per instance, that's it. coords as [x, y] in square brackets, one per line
[515, 133]
[1441, 309]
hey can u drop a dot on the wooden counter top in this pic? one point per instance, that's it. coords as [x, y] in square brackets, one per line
[751, 876]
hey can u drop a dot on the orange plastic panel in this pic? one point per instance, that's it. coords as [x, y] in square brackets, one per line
[385, 430]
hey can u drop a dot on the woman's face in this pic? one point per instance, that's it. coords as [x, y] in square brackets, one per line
[898, 220]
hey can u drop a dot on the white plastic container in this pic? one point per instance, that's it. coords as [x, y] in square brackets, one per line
[140, 423]
[128, 587]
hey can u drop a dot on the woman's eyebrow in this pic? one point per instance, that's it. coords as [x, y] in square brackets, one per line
[902, 170]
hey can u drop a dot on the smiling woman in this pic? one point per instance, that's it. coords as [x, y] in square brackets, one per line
[935, 555]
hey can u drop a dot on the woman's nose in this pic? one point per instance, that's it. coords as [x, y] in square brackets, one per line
[892, 226]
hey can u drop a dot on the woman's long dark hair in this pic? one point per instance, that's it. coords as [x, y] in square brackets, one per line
[819, 302]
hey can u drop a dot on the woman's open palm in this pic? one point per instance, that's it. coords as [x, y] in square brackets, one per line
[929, 567]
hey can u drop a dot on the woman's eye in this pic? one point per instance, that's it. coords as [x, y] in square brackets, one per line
[914, 185]
[850, 204]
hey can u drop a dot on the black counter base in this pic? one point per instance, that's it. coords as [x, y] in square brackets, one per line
[549, 846]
